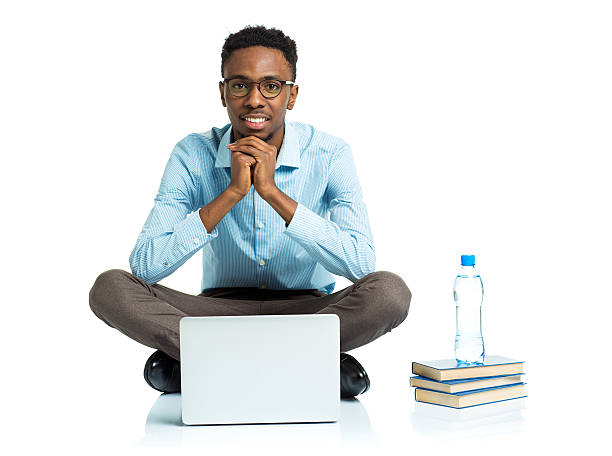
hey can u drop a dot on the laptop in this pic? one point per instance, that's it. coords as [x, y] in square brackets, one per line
[260, 369]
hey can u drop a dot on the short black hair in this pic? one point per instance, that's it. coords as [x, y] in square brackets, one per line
[258, 35]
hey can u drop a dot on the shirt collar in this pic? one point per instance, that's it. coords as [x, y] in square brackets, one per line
[289, 154]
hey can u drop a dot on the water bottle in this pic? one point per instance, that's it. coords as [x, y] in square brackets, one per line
[468, 293]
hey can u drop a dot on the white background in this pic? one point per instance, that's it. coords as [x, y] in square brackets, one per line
[477, 127]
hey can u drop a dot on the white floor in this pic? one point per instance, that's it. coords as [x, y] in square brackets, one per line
[163, 425]
[71, 383]
[354, 429]
[98, 403]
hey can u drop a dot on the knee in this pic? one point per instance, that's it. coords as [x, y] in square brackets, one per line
[393, 295]
[104, 288]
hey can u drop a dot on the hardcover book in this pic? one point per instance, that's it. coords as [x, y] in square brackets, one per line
[450, 369]
[467, 384]
[471, 398]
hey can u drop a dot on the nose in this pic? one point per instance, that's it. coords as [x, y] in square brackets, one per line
[254, 99]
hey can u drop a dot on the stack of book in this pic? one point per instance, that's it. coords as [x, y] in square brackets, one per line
[446, 382]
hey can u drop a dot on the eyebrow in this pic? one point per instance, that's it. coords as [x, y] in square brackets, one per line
[241, 76]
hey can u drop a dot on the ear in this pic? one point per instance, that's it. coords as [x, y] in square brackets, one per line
[221, 87]
[292, 97]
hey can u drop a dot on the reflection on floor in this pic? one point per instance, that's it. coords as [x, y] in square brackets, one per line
[484, 420]
[164, 426]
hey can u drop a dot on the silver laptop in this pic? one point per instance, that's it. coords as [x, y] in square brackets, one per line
[260, 369]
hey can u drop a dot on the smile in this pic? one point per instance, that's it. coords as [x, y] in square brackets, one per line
[255, 123]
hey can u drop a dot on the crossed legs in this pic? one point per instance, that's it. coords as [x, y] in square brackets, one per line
[150, 314]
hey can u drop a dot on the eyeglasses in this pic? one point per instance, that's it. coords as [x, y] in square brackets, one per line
[269, 88]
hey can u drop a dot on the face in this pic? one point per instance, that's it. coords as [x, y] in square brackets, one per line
[255, 64]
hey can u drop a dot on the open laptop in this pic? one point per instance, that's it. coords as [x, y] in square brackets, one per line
[260, 369]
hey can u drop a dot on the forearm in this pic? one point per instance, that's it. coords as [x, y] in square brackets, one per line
[349, 254]
[284, 205]
[164, 245]
[213, 212]
[161, 249]
[345, 251]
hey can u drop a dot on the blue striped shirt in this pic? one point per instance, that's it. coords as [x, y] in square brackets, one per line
[252, 246]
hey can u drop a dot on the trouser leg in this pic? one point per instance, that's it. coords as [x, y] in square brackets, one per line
[150, 314]
[371, 307]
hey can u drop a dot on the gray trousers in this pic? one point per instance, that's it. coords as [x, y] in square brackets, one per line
[150, 314]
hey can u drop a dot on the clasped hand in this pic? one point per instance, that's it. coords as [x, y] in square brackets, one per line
[252, 162]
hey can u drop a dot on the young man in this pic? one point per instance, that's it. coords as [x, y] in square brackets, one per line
[254, 195]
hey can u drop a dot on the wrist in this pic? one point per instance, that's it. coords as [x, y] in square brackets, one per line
[268, 192]
[234, 194]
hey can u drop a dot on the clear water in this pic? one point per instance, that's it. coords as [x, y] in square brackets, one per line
[468, 294]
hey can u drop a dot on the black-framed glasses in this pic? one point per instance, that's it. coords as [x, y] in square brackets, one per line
[269, 88]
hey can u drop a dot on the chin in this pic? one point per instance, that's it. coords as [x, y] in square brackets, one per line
[263, 135]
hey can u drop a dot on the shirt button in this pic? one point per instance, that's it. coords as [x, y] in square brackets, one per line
[166, 263]
[196, 240]
[260, 225]
[261, 262]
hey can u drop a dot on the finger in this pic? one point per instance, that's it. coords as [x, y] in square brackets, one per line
[243, 158]
[249, 150]
[238, 154]
[255, 142]
[255, 145]
[248, 163]
[251, 139]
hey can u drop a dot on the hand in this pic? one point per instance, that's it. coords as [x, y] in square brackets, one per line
[264, 155]
[241, 173]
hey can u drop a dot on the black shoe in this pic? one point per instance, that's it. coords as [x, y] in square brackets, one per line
[163, 373]
[353, 377]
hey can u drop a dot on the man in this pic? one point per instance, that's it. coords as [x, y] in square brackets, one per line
[255, 196]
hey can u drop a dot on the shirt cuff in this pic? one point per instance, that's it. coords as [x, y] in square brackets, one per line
[192, 233]
[305, 225]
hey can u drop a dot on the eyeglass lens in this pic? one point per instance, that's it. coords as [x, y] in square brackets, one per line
[241, 88]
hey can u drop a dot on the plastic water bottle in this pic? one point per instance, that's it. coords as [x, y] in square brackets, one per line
[468, 293]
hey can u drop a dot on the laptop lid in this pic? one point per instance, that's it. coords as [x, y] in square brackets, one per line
[260, 369]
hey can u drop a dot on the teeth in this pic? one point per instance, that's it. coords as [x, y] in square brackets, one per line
[255, 119]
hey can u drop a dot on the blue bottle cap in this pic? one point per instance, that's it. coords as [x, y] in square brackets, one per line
[468, 260]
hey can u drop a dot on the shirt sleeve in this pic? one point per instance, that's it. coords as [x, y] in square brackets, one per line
[173, 231]
[343, 244]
